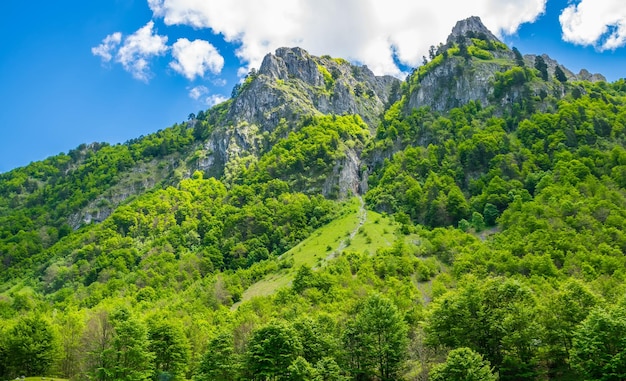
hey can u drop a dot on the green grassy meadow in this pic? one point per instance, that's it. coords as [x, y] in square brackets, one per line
[357, 229]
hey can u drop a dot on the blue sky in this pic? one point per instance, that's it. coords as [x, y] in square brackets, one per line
[75, 72]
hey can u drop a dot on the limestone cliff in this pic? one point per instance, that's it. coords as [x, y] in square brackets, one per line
[292, 83]
[289, 85]
[468, 66]
[464, 69]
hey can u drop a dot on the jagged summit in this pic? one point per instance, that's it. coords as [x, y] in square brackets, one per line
[289, 85]
[294, 82]
[470, 26]
[295, 62]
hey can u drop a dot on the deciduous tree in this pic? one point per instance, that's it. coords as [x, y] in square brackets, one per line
[30, 346]
[463, 364]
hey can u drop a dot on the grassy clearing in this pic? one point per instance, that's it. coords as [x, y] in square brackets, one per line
[499, 61]
[377, 231]
[325, 240]
[343, 233]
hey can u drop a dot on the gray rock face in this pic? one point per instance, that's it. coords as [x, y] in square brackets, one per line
[293, 83]
[289, 85]
[468, 26]
[585, 75]
[292, 63]
[346, 177]
[530, 59]
[457, 80]
[454, 84]
[138, 180]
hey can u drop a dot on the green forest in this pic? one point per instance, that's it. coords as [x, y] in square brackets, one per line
[489, 243]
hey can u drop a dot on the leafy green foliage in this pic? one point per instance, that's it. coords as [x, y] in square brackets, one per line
[130, 350]
[599, 349]
[170, 347]
[220, 362]
[463, 364]
[377, 339]
[304, 158]
[29, 347]
[495, 319]
[272, 350]
[329, 80]
[504, 82]
[477, 52]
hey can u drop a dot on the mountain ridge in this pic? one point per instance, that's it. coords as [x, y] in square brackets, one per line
[291, 83]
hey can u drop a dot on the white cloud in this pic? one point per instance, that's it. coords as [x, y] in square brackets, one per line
[135, 52]
[197, 92]
[366, 31]
[201, 92]
[195, 58]
[601, 23]
[215, 99]
[108, 45]
[220, 82]
[138, 48]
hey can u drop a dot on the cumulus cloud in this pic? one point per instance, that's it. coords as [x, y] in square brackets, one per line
[108, 45]
[195, 58]
[197, 92]
[372, 32]
[138, 48]
[136, 51]
[600, 23]
[201, 93]
[215, 99]
[220, 82]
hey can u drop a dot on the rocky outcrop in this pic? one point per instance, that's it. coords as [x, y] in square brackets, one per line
[472, 26]
[585, 75]
[345, 179]
[460, 78]
[457, 80]
[139, 179]
[289, 85]
[454, 84]
[292, 83]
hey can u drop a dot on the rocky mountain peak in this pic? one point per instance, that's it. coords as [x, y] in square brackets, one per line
[292, 63]
[289, 85]
[472, 26]
[293, 82]
[585, 75]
